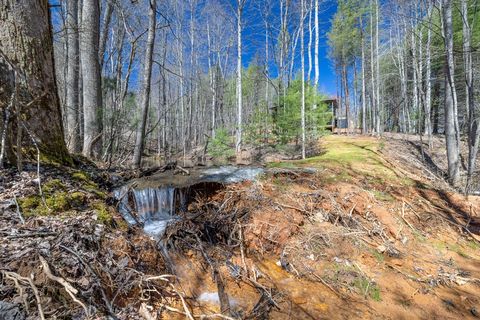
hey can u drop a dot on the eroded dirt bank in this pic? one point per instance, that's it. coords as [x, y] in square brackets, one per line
[367, 234]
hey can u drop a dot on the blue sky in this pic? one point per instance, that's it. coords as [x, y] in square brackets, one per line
[254, 39]
[254, 42]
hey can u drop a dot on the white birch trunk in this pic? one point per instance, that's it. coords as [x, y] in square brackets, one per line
[302, 54]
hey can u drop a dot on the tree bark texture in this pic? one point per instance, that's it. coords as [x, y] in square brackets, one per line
[26, 60]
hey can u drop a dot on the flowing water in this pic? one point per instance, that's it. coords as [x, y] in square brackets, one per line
[153, 201]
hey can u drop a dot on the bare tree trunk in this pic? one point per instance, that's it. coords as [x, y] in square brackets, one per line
[377, 57]
[428, 75]
[355, 96]
[317, 41]
[238, 142]
[473, 125]
[92, 96]
[267, 77]
[104, 34]
[310, 66]
[27, 72]
[347, 94]
[302, 54]
[364, 105]
[452, 142]
[72, 79]
[372, 75]
[147, 75]
[292, 57]
[413, 48]
[213, 77]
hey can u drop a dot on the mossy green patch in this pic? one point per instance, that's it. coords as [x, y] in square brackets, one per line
[383, 196]
[457, 249]
[103, 214]
[420, 237]
[58, 202]
[349, 275]
[29, 204]
[53, 185]
[283, 165]
[81, 176]
[378, 256]
[93, 188]
[77, 198]
[473, 244]
[453, 247]
[51, 158]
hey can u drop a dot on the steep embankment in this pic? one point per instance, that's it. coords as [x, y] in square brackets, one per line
[353, 232]
[377, 234]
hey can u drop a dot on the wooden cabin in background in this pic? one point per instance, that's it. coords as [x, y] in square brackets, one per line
[339, 121]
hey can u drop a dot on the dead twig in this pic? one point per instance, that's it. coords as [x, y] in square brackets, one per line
[222, 295]
[290, 207]
[39, 181]
[242, 250]
[13, 275]
[183, 170]
[19, 213]
[184, 304]
[31, 235]
[97, 280]
[68, 287]
[405, 219]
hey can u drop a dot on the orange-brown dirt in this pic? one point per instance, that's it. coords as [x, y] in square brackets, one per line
[365, 235]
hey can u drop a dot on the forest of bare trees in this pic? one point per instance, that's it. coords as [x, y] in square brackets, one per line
[163, 80]
[418, 62]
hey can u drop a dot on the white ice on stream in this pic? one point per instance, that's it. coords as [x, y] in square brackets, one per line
[230, 174]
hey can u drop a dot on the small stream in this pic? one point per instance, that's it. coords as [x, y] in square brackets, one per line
[153, 201]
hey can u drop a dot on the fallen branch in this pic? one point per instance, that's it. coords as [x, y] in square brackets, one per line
[184, 304]
[19, 213]
[222, 295]
[13, 275]
[31, 235]
[97, 280]
[290, 207]
[183, 170]
[405, 219]
[68, 287]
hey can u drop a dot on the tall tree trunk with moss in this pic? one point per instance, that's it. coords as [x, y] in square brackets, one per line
[27, 75]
